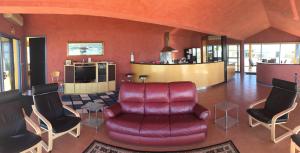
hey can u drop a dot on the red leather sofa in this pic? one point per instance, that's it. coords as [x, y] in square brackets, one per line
[157, 114]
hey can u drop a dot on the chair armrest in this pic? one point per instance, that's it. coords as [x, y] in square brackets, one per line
[32, 124]
[296, 129]
[258, 102]
[41, 117]
[283, 113]
[112, 111]
[201, 112]
[71, 110]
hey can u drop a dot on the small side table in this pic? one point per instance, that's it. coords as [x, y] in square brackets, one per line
[95, 107]
[226, 121]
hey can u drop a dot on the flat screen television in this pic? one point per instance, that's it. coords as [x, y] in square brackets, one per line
[85, 74]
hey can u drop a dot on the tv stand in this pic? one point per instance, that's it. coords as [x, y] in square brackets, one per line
[103, 81]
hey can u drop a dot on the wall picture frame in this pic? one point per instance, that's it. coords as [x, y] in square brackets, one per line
[85, 48]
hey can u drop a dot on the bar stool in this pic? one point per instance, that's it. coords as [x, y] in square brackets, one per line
[129, 77]
[143, 78]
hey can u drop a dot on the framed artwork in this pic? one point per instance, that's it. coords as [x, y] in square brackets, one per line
[88, 48]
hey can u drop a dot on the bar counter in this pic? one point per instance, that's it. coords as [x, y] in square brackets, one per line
[266, 71]
[203, 75]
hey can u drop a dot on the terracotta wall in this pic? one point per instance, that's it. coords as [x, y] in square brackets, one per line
[271, 35]
[120, 38]
[6, 27]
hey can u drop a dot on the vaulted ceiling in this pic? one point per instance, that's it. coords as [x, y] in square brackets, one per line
[237, 19]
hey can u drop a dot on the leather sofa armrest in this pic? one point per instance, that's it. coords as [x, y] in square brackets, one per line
[112, 111]
[201, 112]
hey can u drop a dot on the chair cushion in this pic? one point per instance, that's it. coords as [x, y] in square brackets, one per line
[11, 118]
[63, 123]
[19, 142]
[49, 105]
[296, 139]
[155, 126]
[279, 100]
[264, 116]
[186, 124]
[127, 123]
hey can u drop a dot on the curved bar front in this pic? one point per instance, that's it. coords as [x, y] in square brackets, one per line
[266, 72]
[203, 75]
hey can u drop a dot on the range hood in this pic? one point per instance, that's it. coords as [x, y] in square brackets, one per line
[167, 48]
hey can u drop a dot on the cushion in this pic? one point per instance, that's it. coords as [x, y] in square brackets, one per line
[63, 123]
[186, 124]
[296, 139]
[279, 99]
[126, 123]
[131, 97]
[157, 98]
[155, 126]
[11, 119]
[19, 142]
[49, 105]
[182, 107]
[264, 116]
[182, 91]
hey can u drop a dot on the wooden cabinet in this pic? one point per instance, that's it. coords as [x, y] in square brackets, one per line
[105, 79]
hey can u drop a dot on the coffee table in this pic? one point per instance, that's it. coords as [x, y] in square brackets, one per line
[226, 121]
[93, 107]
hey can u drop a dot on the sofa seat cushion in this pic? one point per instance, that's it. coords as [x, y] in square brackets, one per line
[125, 123]
[63, 123]
[186, 124]
[155, 126]
[19, 142]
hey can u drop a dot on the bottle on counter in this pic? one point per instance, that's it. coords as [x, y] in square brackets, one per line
[131, 57]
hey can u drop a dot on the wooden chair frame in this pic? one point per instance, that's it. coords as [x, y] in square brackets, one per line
[272, 126]
[38, 147]
[51, 135]
[294, 146]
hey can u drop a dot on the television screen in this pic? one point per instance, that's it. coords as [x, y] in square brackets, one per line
[85, 74]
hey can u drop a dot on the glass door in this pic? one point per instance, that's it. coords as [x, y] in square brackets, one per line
[9, 64]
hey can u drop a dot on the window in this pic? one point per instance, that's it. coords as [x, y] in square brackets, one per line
[234, 56]
[284, 53]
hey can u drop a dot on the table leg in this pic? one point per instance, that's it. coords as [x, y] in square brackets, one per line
[237, 114]
[96, 119]
[215, 114]
[226, 117]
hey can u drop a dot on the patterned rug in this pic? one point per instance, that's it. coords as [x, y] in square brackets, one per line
[77, 101]
[99, 147]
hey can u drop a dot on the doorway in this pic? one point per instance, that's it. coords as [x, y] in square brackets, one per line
[36, 61]
[10, 78]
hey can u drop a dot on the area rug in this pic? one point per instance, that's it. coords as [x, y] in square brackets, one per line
[77, 101]
[99, 147]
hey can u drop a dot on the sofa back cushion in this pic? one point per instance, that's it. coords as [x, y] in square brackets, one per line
[131, 97]
[183, 97]
[157, 98]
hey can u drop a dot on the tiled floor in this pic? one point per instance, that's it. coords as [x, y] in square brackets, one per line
[241, 90]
